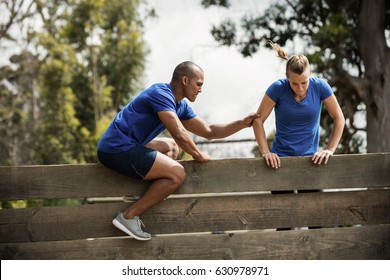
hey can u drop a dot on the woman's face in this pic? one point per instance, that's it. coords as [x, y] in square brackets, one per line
[299, 83]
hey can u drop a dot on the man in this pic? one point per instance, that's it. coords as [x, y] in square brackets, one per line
[130, 146]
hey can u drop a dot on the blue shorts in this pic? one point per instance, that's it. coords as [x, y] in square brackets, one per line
[135, 162]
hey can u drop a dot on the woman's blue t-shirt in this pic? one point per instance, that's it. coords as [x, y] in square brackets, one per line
[297, 124]
[138, 123]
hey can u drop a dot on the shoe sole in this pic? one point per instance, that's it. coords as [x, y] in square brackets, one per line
[117, 224]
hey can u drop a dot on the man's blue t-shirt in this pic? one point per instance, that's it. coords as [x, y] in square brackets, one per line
[297, 124]
[138, 123]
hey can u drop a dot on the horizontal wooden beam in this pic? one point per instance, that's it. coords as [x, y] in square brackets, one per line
[349, 243]
[201, 214]
[226, 175]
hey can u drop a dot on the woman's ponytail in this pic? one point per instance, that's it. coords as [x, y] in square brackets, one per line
[278, 50]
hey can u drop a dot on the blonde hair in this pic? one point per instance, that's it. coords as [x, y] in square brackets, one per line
[296, 64]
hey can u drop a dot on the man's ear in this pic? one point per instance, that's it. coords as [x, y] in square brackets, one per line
[184, 80]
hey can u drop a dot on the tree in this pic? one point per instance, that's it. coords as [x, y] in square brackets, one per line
[19, 110]
[13, 12]
[346, 42]
[79, 61]
[95, 58]
[19, 113]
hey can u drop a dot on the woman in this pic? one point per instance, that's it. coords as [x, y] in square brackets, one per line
[297, 100]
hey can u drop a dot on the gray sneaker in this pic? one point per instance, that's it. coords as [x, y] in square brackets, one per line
[132, 227]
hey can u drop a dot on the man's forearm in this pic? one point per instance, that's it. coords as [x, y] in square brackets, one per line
[224, 130]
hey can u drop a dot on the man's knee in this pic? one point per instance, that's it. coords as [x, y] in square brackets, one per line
[178, 175]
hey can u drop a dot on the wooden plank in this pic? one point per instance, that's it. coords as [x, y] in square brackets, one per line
[65, 181]
[227, 175]
[352, 243]
[342, 171]
[201, 214]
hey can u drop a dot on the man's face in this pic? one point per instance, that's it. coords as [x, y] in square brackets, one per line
[194, 86]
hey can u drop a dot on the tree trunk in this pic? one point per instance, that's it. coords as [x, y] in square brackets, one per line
[376, 57]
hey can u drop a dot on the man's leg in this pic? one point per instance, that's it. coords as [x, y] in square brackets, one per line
[168, 176]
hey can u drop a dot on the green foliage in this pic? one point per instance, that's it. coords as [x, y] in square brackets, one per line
[18, 108]
[123, 50]
[56, 105]
[58, 132]
[226, 33]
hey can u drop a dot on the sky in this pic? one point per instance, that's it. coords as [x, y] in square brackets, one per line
[233, 85]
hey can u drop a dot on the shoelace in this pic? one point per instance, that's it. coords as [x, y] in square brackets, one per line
[139, 221]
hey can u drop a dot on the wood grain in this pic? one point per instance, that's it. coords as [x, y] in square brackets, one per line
[224, 210]
[227, 175]
[201, 214]
[352, 243]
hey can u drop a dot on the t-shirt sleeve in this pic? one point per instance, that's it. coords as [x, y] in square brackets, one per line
[325, 89]
[274, 90]
[186, 112]
[162, 101]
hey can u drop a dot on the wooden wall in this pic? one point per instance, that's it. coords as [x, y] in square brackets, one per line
[223, 211]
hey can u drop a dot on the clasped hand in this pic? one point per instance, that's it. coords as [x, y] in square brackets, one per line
[248, 120]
